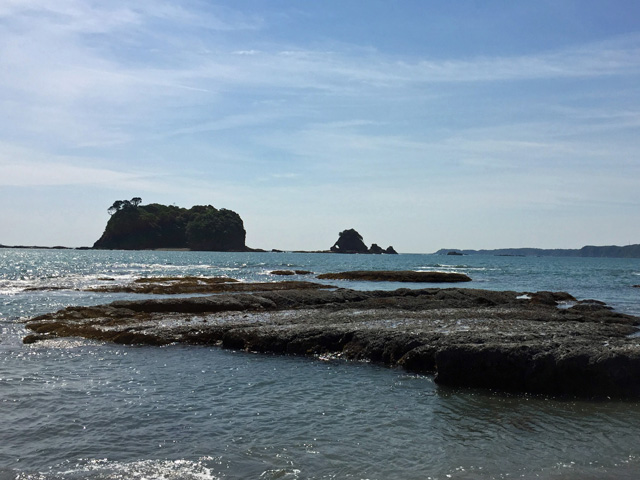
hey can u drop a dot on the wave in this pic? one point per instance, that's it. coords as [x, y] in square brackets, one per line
[104, 469]
[72, 282]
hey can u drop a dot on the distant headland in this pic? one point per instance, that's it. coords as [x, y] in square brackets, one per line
[611, 251]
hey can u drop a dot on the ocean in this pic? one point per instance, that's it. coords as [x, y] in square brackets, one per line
[76, 409]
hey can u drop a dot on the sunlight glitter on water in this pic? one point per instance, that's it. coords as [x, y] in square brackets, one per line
[194, 412]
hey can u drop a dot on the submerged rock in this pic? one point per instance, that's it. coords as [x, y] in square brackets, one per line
[509, 341]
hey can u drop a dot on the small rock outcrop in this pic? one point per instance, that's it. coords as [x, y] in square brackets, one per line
[375, 248]
[291, 272]
[350, 241]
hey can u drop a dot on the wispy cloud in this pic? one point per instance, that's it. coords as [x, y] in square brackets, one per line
[23, 167]
[350, 69]
[85, 73]
[198, 99]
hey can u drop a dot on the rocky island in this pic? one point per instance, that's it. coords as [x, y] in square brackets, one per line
[133, 226]
[537, 342]
[350, 241]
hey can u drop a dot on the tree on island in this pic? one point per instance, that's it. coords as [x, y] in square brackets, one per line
[122, 204]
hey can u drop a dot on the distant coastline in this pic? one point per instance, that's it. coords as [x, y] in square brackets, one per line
[38, 247]
[588, 251]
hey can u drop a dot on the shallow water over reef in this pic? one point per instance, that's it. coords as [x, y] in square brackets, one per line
[72, 409]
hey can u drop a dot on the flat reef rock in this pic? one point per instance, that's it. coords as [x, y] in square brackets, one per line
[397, 276]
[291, 272]
[189, 285]
[507, 341]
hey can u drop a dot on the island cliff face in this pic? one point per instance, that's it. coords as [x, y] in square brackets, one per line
[146, 227]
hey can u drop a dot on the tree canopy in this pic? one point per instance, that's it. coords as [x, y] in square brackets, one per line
[122, 204]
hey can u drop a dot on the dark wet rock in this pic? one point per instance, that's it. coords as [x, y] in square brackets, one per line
[590, 305]
[508, 341]
[33, 338]
[550, 298]
[291, 272]
[390, 250]
[47, 288]
[580, 368]
[396, 276]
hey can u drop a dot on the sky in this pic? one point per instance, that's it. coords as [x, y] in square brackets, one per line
[422, 124]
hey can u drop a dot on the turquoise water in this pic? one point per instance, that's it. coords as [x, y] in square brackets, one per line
[73, 409]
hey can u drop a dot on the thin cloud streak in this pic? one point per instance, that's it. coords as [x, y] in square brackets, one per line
[198, 103]
[295, 69]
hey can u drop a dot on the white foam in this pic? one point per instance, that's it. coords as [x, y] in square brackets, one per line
[143, 470]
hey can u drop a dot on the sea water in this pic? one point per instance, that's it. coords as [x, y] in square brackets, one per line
[74, 409]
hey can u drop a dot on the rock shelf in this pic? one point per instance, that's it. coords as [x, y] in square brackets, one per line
[508, 341]
[204, 285]
[397, 276]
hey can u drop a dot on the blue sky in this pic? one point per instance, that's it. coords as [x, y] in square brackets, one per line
[421, 124]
